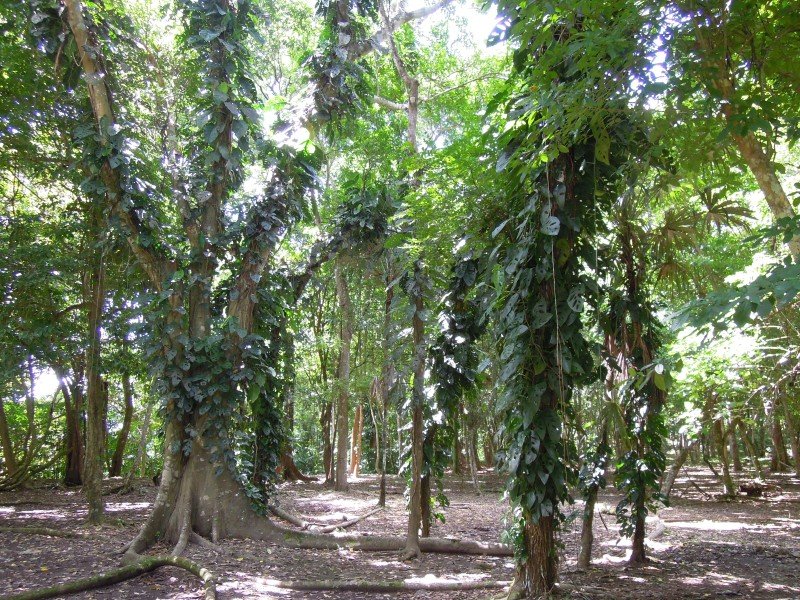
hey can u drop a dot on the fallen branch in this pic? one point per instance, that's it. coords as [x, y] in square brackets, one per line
[42, 531]
[147, 564]
[318, 527]
[386, 586]
[345, 524]
[292, 538]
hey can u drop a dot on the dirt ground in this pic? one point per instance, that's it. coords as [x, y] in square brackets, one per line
[702, 547]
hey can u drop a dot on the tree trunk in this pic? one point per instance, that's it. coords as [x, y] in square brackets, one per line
[779, 458]
[387, 373]
[96, 399]
[638, 554]
[793, 429]
[587, 527]
[73, 410]
[327, 446]
[472, 456]
[722, 453]
[750, 449]
[541, 567]
[122, 440]
[587, 530]
[9, 460]
[355, 444]
[734, 450]
[678, 462]
[343, 376]
[140, 462]
[457, 445]
[751, 150]
[417, 398]
[426, 516]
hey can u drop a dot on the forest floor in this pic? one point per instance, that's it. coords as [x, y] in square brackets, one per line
[702, 548]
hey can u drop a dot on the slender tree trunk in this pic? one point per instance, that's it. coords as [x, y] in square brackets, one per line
[343, 376]
[722, 453]
[355, 444]
[417, 398]
[327, 445]
[387, 374]
[587, 527]
[793, 429]
[734, 450]
[122, 440]
[779, 457]
[472, 456]
[638, 554]
[457, 445]
[751, 150]
[672, 474]
[140, 462]
[426, 517]
[751, 450]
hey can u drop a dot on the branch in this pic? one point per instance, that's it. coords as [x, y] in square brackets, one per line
[377, 40]
[390, 28]
[155, 266]
[390, 104]
[323, 251]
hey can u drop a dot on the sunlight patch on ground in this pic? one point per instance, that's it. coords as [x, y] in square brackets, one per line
[336, 502]
[123, 506]
[708, 525]
[57, 515]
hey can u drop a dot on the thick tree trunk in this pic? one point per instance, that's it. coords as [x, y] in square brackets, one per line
[73, 410]
[355, 444]
[638, 553]
[541, 567]
[96, 399]
[9, 460]
[122, 439]
[343, 378]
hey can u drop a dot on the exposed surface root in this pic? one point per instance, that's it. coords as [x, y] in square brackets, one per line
[42, 531]
[199, 540]
[147, 564]
[408, 585]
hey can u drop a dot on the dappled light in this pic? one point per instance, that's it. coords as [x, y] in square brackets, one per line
[414, 299]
